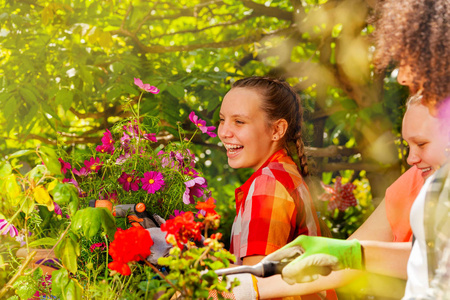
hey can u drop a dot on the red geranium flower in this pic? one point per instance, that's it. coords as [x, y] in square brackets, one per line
[183, 228]
[132, 244]
[208, 206]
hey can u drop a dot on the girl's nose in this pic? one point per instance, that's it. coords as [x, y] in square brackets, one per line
[223, 131]
[413, 158]
[404, 76]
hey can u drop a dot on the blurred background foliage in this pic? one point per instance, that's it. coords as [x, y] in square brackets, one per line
[67, 68]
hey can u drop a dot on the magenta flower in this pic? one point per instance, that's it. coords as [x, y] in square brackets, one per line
[107, 143]
[150, 137]
[6, 228]
[201, 124]
[152, 181]
[58, 210]
[146, 87]
[93, 164]
[64, 165]
[194, 187]
[176, 213]
[102, 246]
[82, 172]
[128, 182]
[190, 172]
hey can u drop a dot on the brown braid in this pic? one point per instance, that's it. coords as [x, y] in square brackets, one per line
[281, 102]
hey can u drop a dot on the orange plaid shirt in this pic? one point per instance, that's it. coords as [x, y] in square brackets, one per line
[273, 207]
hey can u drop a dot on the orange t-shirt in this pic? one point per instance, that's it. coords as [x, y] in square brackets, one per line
[399, 198]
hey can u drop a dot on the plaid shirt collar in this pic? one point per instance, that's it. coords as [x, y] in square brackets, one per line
[242, 191]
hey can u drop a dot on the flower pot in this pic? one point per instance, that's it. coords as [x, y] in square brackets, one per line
[46, 256]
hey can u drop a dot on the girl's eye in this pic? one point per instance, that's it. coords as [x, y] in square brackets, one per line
[239, 122]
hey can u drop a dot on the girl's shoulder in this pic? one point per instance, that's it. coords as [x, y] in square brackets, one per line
[284, 171]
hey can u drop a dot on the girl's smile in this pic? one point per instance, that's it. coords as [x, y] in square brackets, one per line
[245, 130]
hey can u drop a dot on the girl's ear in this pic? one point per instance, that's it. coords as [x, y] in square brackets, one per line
[279, 129]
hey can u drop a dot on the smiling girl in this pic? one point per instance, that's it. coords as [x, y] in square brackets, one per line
[260, 122]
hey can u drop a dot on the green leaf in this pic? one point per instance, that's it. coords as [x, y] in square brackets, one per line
[28, 206]
[43, 242]
[10, 108]
[11, 188]
[50, 159]
[20, 153]
[5, 169]
[63, 193]
[108, 222]
[28, 95]
[60, 279]
[64, 97]
[176, 90]
[73, 290]
[25, 287]
[37, 172]
[67, 252]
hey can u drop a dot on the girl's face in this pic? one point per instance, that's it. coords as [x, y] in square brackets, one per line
[405, 77]
[426, 140]
[244, 129]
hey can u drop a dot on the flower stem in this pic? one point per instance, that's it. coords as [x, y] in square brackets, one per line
[19, 273]
[160, 274]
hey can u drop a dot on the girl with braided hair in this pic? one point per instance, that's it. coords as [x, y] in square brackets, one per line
[261, 128]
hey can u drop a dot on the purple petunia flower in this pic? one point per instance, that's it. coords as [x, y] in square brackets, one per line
[64, 165]
[128, 182]
[152, 181]
[201, 124]
[146, 87]
[107, 143]
[194, 187]
[6, 228]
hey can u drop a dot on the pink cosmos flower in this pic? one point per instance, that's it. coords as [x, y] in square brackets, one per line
[107, 143]
[190, 172]
[6, 228]
[82, 172]
[194, 187]
[201, 124]
[128, 182]
[150, 137]
[64, 165]
[93, 164]
[152, 181]
[146, 87]
[340, 197]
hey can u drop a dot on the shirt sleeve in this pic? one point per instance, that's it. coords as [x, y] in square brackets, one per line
[268, 218]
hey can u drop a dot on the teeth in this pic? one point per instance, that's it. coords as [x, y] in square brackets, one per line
[229, 146]
[426, 170]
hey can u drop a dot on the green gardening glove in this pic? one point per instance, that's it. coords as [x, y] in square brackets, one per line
[320, 256]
